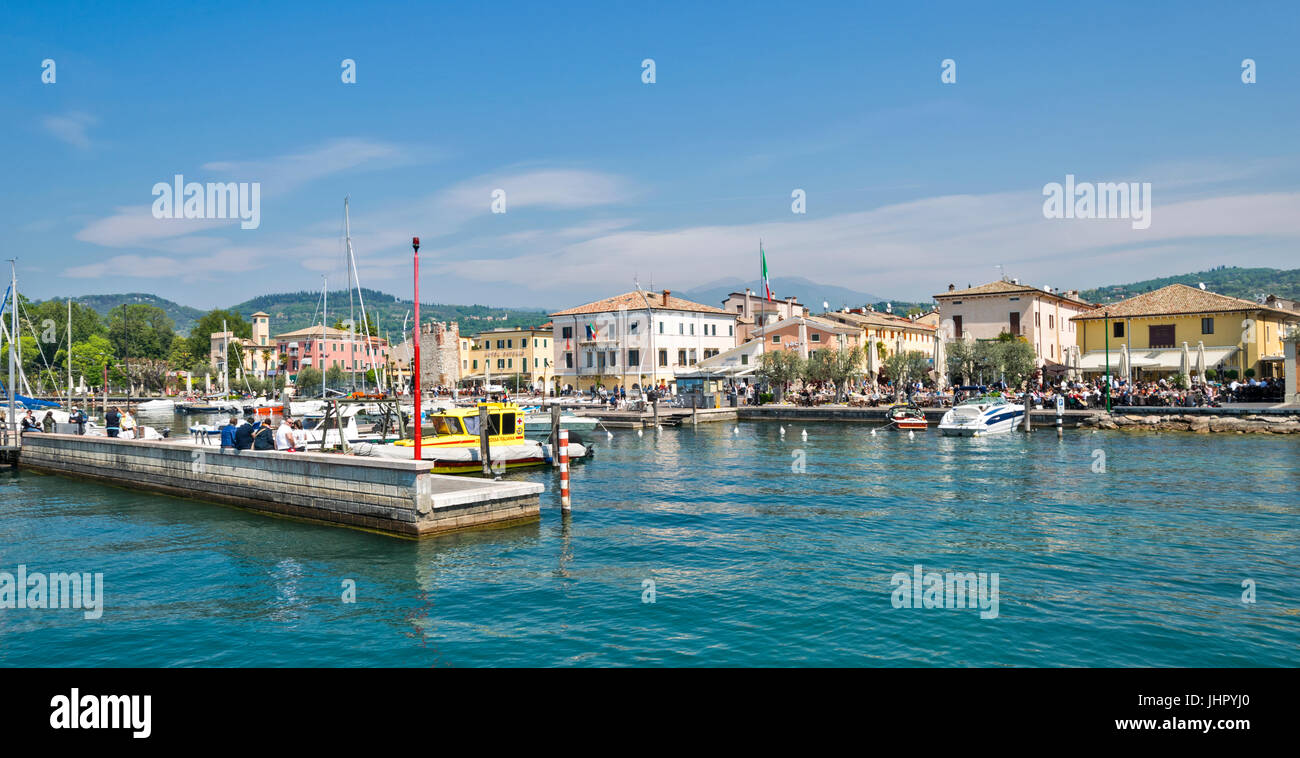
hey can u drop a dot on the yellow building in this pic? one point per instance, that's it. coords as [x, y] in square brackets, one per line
[884, 334]
[500, 355]
[1181, 329]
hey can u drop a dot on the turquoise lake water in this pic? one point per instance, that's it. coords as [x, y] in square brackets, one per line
[752, 563]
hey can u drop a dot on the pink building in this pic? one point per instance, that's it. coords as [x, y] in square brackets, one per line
[328, 348]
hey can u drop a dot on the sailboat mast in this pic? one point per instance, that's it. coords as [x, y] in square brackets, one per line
[225, 360]
[352, 315]
[69, 354]
[13, 339]
[324, 311]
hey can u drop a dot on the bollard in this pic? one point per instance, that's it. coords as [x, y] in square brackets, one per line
[564, 469]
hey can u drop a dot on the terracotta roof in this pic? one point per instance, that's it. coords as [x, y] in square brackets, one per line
[879, 319]
[633, 301]
[1008, 288]
[823, 324]
[1178, 299]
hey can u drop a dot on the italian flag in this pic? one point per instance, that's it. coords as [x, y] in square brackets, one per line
[762, 257]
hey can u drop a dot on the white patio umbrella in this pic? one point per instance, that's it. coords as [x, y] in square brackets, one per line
[1186, 365]
[1200, 361]
[1124, 363]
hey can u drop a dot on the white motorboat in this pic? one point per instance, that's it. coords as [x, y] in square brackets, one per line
[164, 404]
[539, 424]
[979, 416]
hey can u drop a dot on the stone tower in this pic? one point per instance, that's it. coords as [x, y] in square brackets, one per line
[439, 354]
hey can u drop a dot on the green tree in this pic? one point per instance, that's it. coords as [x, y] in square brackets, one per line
[200, 339]
[307, 381]
[141, 331]
[335, 378]
[837, 367]
[779, 368]
[963, 361]
[905, 368]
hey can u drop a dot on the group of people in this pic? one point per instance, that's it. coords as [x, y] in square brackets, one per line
[289, 436]
[47, 423]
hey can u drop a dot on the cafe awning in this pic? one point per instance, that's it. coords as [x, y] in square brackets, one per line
[1160, 359]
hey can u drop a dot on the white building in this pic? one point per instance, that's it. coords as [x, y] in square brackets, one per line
[636, 339]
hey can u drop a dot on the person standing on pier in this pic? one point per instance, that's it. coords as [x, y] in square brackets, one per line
[113, 422]
[47, 423]
[228, 434]
[78, 417]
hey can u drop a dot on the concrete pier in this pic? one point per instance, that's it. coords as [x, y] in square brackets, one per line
[391, 496]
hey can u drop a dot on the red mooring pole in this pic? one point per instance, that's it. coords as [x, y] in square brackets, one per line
[415, 365]
[564, 469]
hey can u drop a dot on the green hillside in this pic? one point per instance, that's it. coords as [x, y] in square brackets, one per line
[1245, 283]
[296, 310]
[183, 315]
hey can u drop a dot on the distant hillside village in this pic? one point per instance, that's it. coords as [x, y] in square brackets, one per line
[639, 339]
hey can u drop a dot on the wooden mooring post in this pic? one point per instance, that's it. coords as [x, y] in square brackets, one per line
[484, 449]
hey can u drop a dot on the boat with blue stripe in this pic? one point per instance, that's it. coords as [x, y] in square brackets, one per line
[980, 416]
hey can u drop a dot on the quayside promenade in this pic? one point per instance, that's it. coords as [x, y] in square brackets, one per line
[391, 496]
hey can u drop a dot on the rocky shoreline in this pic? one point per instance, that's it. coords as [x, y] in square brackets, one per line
[1199, 424]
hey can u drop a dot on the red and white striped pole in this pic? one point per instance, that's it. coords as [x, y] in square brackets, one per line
[564, 469]
[415, 362]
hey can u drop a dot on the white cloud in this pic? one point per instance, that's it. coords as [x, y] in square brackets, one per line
[911, 248]
[286, 172]
[131, 227]
[71, 128]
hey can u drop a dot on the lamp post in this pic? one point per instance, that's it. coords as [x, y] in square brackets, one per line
[415, 365]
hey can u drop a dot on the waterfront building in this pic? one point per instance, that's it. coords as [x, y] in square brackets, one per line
[754, 310]
[499, 356]
[1180, 329]
[327, 347]
[884, 334]
[254, 356]
[1042, 316]
[807, 334]
[636, 339]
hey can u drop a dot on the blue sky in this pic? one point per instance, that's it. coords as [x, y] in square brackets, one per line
[911, 183]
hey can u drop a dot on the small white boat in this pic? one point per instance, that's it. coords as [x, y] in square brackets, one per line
[460, 460]
[164, 404]
[977, 417]
[539, 424]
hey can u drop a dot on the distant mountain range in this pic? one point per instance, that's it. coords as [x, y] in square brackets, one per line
[808, 292]
[296, 310]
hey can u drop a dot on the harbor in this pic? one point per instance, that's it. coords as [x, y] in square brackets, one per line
[1132, 565]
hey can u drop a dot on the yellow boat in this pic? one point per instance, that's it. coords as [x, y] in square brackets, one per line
[450, 439]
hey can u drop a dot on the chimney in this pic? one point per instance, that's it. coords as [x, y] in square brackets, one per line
[666, 294]
[952, 287]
